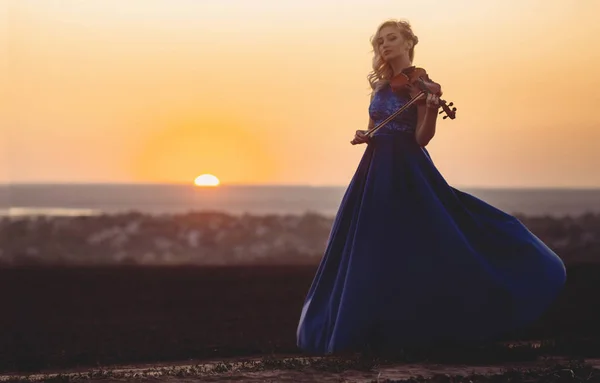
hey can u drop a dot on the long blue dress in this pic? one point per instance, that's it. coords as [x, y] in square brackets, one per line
[412, 261]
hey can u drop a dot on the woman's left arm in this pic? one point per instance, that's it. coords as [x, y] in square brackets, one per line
[426, 119]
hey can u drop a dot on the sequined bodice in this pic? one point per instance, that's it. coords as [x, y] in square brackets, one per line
[385, 103]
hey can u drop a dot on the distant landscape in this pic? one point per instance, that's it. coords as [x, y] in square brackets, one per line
[214, 238]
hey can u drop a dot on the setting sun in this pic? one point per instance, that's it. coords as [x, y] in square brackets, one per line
[206, 180]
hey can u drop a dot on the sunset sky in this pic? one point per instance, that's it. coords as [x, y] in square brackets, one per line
[271, 91]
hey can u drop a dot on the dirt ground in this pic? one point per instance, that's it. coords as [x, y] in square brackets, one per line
[239, 371]
[90, 317]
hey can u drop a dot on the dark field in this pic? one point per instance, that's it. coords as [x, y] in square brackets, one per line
[68, 317]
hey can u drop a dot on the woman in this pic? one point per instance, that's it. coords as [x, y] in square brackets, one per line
[410, 260]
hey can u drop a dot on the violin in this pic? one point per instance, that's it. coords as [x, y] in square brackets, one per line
[414, 82]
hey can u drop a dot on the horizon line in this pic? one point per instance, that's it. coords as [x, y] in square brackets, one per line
[291, 185]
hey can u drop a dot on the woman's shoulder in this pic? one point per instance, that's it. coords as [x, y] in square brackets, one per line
[379, 89]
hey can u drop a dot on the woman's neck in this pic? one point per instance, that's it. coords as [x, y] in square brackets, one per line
[399, 64]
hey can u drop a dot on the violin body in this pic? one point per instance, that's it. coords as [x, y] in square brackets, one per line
[407, 82]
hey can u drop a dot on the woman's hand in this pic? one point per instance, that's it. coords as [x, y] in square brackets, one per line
[427, 121]
[432, 102]
[360, 137]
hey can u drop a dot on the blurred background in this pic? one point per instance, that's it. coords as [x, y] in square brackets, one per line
[271, 92]
[178, 107]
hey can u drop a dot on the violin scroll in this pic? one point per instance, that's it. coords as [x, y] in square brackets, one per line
[446, 109]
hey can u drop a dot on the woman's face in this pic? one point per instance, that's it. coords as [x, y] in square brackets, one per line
[391, 43]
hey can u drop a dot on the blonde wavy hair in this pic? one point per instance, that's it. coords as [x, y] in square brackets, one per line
[382, 71]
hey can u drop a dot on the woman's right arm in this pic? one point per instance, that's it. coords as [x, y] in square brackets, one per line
[371, 124]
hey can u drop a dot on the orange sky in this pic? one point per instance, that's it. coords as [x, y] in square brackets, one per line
[272, 91]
